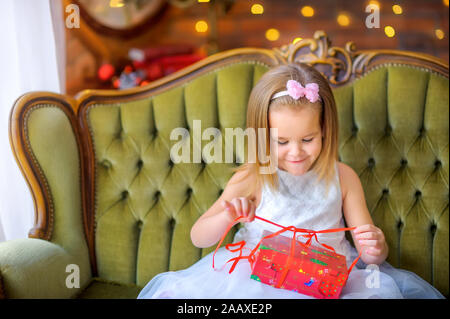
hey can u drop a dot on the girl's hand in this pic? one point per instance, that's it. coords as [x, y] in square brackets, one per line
[240, 206]
[371, 237]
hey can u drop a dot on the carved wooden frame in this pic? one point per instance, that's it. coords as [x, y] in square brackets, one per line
[340, 65]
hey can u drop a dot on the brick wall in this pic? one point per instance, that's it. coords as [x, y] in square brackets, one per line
[239, 28]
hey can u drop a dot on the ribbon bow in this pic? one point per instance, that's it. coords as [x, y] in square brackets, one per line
[252, 258]
[296, 90]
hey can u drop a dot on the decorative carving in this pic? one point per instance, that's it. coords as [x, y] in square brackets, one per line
[318, 50]
[340, 65]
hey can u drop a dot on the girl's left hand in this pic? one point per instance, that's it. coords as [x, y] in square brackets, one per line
[371, 237]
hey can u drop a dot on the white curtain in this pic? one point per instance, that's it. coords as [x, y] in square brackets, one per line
[32, 58]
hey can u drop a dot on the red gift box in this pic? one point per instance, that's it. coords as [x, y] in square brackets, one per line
[313, 271]
[287, 263]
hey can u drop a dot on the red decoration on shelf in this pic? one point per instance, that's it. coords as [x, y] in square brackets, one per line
[106, 71]
[161, 61]
[150, 64]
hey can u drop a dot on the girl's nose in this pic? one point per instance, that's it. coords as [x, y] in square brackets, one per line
[295, 150]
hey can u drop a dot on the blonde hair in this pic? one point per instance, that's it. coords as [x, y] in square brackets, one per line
[260, 103]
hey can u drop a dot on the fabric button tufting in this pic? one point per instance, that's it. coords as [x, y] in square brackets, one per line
[422, 132]
[124, 194]
[154, 135]
[418, 194]
[403, 162]
[388, 130]
[172, 224]
[106, 163]
[433, 229]
[120, 135]
[140, 163]
[371, 162]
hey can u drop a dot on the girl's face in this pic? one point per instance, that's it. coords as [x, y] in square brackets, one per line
[299, 137]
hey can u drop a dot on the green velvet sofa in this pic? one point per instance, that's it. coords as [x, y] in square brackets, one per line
[112, 210]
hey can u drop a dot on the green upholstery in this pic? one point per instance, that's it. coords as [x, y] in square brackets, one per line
[24, 263]
[144, 199]
[101, 289]
[393, 132]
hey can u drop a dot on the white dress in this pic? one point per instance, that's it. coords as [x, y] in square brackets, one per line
[302, 204]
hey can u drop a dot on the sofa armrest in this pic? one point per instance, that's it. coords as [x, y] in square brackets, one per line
[35, 268]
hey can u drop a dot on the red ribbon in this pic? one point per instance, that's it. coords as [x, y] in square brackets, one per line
[251, 257]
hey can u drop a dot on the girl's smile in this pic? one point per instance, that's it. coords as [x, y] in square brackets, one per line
[299, 137]
[296, 162]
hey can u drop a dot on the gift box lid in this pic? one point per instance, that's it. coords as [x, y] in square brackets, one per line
[280, 246]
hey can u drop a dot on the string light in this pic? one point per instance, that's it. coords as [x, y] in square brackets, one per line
[201, 26]
[389, 31]
[445, 2]
[397, 9]
[439, 34]
[343, 20]
[272, 34]
[257, 9]
[202, 1]
[307, 11]
[375, 3]
[296, 40]
[116, 3]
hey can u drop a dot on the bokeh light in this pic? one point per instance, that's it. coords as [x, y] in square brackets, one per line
[389, 31]
[307, 11]
[272, 34]
[257, 9]
[201, 26]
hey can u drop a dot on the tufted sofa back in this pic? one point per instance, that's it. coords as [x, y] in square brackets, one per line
[393, 132]
[138, 206]
[145, 205]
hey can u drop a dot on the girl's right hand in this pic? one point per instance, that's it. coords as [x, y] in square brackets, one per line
[240, 206]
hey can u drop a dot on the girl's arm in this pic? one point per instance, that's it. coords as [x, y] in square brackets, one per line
[209, 228]
[366, 236]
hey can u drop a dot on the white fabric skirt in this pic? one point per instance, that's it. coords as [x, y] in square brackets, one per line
[201, 281]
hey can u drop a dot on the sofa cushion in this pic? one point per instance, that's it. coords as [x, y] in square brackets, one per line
[101, 289]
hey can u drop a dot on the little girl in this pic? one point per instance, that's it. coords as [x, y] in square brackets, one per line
[308, 189]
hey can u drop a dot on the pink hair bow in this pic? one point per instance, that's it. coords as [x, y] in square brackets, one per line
[296, 91]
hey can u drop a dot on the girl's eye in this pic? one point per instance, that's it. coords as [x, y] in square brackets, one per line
[306, 141]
